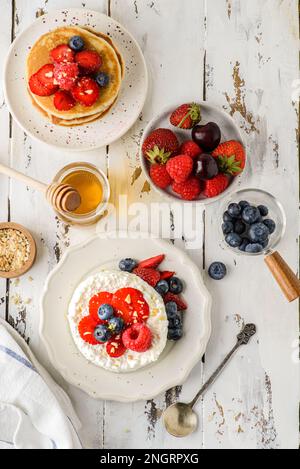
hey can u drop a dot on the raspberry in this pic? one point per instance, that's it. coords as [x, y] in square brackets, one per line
[86, 329]
[131, 305]
[170, 297]
[66, 74]
[150, 276]
[188, 190]
[96, 301]
[180, 167]
[191, 149]
[137, 338]
[160, 176]
[115, 347]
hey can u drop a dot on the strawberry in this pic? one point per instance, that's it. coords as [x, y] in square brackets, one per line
[150, 276]
[166, 275]
[89, 60]
[186, 116]
[215, 186]
[231, 157]
[63, 100]
[36, 87]
[131, 305]
[62, 53]
[152, 263]
[188, 190]
[182, 306]
[160, 145]
[46, 76]
[180, 167]
[115, 347]
[86, 329]
[66, 74]
[86, 91]
[138, 338]
[160, 175]
[96, 301]
[191, 149]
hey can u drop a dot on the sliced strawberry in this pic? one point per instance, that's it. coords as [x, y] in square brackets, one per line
[182, 306]
[63, 101]
[138, 338]
[166, 275]
[89, 60]
[46, 76]
[86, 329]
[36, 87]
[153, 262]
[66, 75]
[115, 347]
[150, 276]
[62, 53]
[96, 301]
[86, 91]
[131, 305]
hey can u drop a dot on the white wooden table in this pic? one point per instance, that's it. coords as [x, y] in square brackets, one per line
[241, 55]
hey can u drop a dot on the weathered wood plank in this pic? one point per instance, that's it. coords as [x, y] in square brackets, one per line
[250, 74]
[6, 33]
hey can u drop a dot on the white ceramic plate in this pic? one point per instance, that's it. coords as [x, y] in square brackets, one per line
[209, 113]
[175, 363]
[95, 134]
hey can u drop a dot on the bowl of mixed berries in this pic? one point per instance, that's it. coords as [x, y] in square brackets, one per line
[193, 152]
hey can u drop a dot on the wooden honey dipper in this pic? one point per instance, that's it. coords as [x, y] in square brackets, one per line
[62, 197]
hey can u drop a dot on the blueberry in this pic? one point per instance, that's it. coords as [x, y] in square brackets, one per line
[265, 243]
[116, 325]
[244, 244]
[102, 333]
[270, 224]
[227, 227]
[175, 322]
[254, 248]
[234, 210]
[234, 240]
[239, 227]
[176, 285]
[243, 204]
[105, 312]
[127, 265]
[76, 43]
[227, 217]
[162, 287]
[102, 79]
[258, 233]
[217, 270]
[251, 215]
[175, 334]
[171, 310]
[264, 211]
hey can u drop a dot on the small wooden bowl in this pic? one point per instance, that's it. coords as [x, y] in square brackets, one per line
[29, 263]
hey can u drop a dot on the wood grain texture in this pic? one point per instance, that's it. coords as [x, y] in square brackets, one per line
[232, 54]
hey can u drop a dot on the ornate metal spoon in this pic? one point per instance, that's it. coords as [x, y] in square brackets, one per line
[180, 419]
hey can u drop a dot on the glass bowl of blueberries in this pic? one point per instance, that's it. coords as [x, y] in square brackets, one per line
[252, 222]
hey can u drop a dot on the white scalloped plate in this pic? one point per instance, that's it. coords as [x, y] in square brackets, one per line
[176, 362]
[94, 134]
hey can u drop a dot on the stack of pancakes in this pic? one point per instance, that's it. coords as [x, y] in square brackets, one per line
[113, 65]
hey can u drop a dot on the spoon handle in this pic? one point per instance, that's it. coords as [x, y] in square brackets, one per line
[242, 339]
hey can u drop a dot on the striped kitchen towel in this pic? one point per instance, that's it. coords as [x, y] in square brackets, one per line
[35, 413]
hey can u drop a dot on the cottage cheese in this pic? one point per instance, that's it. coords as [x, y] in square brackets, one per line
[111, 281]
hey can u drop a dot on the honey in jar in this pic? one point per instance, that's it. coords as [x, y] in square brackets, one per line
[89, 187]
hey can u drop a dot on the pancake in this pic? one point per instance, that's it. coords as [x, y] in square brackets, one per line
[112, 64]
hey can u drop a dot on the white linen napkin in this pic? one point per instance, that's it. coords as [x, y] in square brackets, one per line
[35, 413]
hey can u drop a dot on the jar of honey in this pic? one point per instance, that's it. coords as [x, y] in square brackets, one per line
[94, 190]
